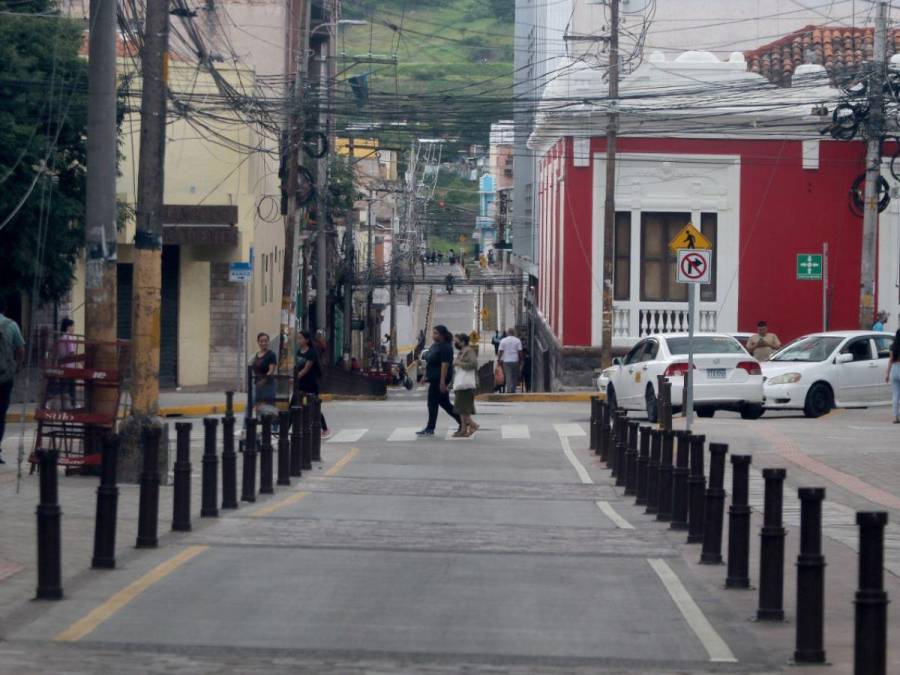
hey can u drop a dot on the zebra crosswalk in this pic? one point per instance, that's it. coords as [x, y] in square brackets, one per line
[506, 432]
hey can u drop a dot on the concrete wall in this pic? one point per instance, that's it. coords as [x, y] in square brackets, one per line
[193, 320]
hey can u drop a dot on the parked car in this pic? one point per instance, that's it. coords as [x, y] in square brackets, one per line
[726, 377]
[821, 371]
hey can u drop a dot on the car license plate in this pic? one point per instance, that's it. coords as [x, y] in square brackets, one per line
[715, 373]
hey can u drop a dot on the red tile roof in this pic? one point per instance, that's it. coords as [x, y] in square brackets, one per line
[839, 48]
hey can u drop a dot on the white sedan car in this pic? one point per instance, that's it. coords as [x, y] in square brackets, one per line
[818, 372]
[726, 377]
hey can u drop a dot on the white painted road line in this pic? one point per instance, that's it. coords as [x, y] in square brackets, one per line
[571, 429]
[401, 434]
[611, 513]
[514, 431]
[347, 436]
[579, 467]
[715, 646]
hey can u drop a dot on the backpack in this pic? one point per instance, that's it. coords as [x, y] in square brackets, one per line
[7, 351]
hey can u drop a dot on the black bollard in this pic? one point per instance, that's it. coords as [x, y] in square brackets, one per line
[771, 549]
[810, 580]
[49, 542]
[631, 457]
[148, 509]
[229, 465]
[621, 450]
[107, 507]
[664, 489]
[696, 491]
[653, 472]
[248, 482]
[642, 462]
[664, 402]
[739, 524]
[209, 496]
[266, 452]
[316, 428]
[594, 427]
[307, 434]
[296, 441]
[605, 433]
[679, 481]
[714, 508]
[284, 448]
[229, 404]
[810, 646]
[616, 423]
[181, 487]
[870, 645]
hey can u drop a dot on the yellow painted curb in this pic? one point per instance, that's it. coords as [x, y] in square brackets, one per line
[548, 397]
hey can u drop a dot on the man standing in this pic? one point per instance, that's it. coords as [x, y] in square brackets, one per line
[880, 321]
[510, 355]
[12, 353]
[762, 345]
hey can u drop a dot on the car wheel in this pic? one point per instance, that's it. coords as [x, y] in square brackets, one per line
[751, 411]
[705, 412]
[652, 406]
[819, 400]
[611, 400]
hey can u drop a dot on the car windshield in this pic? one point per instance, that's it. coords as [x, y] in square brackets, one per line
[810, 349]
[705, 344]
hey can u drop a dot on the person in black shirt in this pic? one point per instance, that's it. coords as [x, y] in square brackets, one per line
[439, 373]
[308, 371]
[264, 365]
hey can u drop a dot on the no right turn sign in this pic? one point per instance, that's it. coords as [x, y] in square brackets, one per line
[694, 266]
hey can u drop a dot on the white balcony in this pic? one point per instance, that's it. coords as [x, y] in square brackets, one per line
[637, 319]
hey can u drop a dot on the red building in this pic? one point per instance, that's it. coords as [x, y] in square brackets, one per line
[711, 143]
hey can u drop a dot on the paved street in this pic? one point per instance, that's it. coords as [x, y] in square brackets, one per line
[509, 552]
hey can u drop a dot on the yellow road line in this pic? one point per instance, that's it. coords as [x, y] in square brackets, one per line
[277, 506]
[99, 615]
[342, 462]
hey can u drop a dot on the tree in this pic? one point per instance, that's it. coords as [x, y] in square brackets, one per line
[43, 117]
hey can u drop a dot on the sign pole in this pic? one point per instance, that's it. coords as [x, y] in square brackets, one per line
[689, 379]
[825, 286]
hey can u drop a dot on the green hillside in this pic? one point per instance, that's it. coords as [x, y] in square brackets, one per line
[453, 75]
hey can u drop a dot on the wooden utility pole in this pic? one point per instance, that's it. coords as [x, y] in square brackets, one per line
[875, 126]
[100, 206]
[150, 197]
[298, 63]
[609, 218]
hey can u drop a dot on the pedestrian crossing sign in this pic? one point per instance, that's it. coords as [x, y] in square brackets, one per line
[689, 237]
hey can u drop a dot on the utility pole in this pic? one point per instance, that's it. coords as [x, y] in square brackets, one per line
[875, 128]
[148, 235]
[352, 226]
[100, 206]
[298, 63]
[609, 219]
[370, 320]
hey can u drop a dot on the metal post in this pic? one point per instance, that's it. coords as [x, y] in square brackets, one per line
[664, 488]
[49, 541]
[316, 427]
[870, 645]
[107, 507]
[714, 509]
[771, 549]
[631, 457]
[229, 465]
[680, 481]
[605, 433]
[181, 488]
[284, 448]
[825, 286]
[229, 403]
[209, 500]
[696, 491]
[594, 447]
[148, 509]
[642, 462]
[265, 457]
[739, 524]
[810, 644]
[296, 441]
[307, 434]
[621, 450]
[689, 376]
[248, 482]
[653, 472]
[615, 421]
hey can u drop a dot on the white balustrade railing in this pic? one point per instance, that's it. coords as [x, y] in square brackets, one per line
[655, 319]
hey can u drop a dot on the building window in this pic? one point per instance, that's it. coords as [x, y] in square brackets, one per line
[709, 227]
[622, 257]
[658, 263]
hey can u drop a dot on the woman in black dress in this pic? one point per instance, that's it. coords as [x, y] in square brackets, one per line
[264, 365]
[308, 371]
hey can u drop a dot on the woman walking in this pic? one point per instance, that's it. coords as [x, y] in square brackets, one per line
[893, 376]
[465, 369]
[264, 365]
[308, 370]
[439, 374]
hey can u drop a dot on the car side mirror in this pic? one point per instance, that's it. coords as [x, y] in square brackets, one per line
[844, 358]
[617, 361]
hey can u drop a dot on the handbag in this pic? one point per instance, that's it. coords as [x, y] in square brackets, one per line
[464, 379]
[499, 377]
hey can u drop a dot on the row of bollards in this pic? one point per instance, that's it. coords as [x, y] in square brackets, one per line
[299, 445]
[665, 471]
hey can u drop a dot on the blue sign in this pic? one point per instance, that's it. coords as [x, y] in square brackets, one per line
[240, 272]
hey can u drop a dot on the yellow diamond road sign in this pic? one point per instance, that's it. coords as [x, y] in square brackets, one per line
[689, 237]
